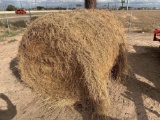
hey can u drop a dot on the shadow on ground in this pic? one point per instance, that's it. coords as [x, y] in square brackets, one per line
[65, 112]
[145, 63]
[14, 68]
[11, 111]
[87, 115]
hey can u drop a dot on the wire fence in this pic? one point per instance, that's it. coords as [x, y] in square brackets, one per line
[8, 18]
[139, 20]
[133, 20]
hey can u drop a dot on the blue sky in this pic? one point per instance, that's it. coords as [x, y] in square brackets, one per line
[72, 3]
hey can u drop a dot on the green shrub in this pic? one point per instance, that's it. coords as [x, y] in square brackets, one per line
[13, 40]
[1, 39]
[1, 23]
[6, 34]
[11, 8]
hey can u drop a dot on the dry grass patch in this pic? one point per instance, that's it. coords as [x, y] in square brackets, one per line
[141, 20]
[12, 40]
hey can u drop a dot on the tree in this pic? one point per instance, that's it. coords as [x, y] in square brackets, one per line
[40, 8]
[11, 8]
[90, 4]
[122, 1]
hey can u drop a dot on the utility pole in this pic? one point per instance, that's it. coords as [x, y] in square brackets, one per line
[115, 7]
[108, 5]
[30, 6]
[3, 7]
[127, 4]
[30, 12]
[90, 4]
[21, 3]
[67, 6]
[46, 4]
[35, 5]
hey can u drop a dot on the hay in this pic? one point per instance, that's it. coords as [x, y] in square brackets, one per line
[69, 57]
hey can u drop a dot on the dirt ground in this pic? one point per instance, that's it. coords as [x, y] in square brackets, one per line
[138, 98]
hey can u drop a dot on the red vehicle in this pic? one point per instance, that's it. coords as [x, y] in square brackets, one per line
[156, 35]
[20, 11]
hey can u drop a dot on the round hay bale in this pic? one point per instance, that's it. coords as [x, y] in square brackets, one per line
[70, 56]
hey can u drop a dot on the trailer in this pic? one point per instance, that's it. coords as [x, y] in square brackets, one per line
[156, 35]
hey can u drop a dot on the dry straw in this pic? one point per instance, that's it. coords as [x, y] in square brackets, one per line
[69, 57]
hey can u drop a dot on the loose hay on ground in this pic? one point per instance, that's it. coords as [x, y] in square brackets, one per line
[69, 57]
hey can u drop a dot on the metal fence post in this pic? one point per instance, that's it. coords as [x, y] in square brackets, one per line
[7, 21]
[30, 15]
[129, 26]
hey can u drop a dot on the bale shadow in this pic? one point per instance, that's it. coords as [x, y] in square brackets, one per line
[11, 111]
[88, 115]
[14, 68]
[145, 62]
